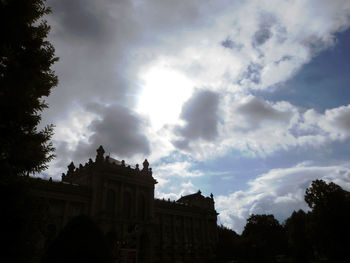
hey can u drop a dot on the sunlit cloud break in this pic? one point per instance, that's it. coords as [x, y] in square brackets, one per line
[189, 85]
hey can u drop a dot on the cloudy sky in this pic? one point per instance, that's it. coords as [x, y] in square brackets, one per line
[248, 100]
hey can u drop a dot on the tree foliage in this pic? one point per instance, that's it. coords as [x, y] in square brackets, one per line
[321, 234]
[320, 194]
[261, 225]
[265, 238]
[228, 244]
[329, 219]
[299, 244]
[26, 77]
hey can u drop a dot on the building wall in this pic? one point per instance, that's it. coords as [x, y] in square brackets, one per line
[121, 200]
[184, 233]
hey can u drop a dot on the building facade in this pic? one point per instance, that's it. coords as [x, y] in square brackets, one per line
[120, 199]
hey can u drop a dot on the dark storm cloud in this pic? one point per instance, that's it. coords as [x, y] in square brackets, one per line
[264, 32]
[201, 115]
[257, 111]
[119, 131]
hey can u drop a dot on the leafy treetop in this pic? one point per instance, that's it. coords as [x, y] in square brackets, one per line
[320, 194]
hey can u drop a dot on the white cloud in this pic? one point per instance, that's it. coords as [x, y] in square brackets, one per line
[175, 191]
[333, 125]
[257, 127]
[234, 71]
[278, 192]
[175, 179]
[176, 169]
[337, 122]
[104, 61]
[250, 125]
[106, 50]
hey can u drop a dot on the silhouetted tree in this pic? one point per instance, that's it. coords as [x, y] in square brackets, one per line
[321, 195]
[265, 238]
[26, 77]
[299, 243]
[228, 246]
[329, 220]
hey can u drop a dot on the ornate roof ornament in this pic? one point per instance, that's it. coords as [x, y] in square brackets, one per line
[100, 152]
[145, 165]
[71, 167]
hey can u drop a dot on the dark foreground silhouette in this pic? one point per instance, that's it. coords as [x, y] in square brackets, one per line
[320, 235]
[80, 241]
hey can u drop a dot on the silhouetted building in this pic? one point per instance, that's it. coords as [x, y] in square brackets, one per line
[120, 199]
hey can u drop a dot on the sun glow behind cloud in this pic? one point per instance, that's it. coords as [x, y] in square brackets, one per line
[163, 93]
[232, 50]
